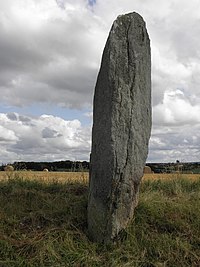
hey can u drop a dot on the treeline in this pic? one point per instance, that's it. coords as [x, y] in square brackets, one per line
[59, 166]
[75, 166]
[184, 167]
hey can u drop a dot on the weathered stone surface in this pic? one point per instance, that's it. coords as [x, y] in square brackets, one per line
[121, 128]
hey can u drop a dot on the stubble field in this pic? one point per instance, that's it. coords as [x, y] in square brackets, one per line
[63, 177]
[43, 222]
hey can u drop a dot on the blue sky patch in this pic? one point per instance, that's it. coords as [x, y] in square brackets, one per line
[92, 2]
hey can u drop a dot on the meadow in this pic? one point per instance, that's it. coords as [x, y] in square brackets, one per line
[43, 222]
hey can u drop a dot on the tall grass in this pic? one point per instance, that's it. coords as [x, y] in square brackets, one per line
[44, 224]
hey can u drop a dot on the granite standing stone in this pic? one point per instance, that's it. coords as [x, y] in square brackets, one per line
[121, 128]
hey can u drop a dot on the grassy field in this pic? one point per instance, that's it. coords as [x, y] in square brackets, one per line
[43, 223]
[46, 177]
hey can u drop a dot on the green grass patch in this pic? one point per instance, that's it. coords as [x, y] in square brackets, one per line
[45, 224]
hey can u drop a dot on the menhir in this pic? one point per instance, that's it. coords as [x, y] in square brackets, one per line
[121, 128]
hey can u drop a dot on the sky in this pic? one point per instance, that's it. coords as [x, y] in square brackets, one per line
[50, 54]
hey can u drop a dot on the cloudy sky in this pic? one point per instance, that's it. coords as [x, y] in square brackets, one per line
[50, 52]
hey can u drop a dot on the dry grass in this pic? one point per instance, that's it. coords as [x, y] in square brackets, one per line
[48, 177]
[84, 176]
[170, 176]
[43, 222]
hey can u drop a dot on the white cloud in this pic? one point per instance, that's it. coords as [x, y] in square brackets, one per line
[176, 109]
[45, 50]
[171, 143]
[59, 49]
[50, 52]
[7, 136]
[42, 138]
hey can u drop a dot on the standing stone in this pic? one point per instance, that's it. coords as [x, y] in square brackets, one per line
[121, 128]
